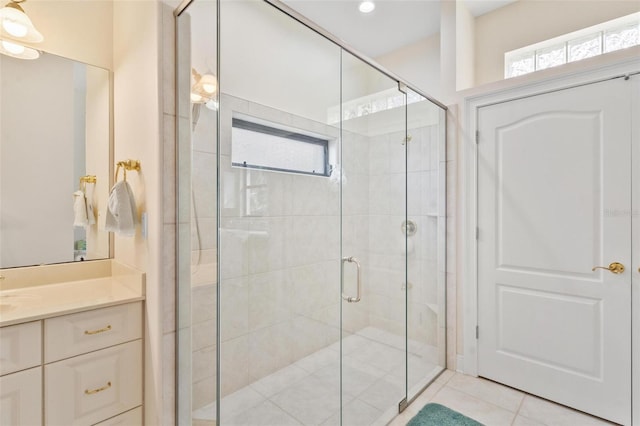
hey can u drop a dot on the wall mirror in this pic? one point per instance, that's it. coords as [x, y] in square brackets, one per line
[54, 160]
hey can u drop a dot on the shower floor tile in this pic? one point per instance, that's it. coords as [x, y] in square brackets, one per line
[307, 392]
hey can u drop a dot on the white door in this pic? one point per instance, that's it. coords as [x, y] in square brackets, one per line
[554, 196]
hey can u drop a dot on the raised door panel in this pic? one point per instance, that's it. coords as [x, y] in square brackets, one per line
[21, 398]
[20, 347]
[75, 334]
[91, 388]
[548, 186]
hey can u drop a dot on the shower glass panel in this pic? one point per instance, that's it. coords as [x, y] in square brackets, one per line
[279, 230]
[311, 225]
[373, 210]
[425, 232]
[196, 215]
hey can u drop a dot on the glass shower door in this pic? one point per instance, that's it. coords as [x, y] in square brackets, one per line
[373, 344]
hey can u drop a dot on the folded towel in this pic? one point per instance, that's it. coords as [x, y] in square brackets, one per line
[121, 215]
[79, 209]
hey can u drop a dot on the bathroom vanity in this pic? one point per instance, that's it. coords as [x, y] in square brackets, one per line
[71, 351]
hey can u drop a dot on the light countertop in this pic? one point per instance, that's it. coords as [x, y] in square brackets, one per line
[36, 302]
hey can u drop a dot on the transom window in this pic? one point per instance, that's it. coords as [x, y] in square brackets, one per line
[602, 38]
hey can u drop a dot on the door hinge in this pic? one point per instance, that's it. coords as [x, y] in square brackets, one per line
[477, 136]
[402, 405]
[477, 332]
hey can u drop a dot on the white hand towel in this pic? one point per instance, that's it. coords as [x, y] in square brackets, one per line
[121, 215]
[91, 216]
[79, 209]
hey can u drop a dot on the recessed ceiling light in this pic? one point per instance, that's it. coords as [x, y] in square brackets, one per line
[367, 6]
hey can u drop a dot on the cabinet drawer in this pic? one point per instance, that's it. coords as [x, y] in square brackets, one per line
[21, 398]
[90, 388]
[130, 418]
[20, 347]
[75, 334]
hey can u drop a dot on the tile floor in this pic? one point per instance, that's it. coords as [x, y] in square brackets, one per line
[493, 404]
[308, 391]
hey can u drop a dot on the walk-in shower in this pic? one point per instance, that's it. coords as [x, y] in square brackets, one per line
[311, 235]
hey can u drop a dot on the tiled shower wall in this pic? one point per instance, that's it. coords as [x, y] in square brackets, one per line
[387, 245]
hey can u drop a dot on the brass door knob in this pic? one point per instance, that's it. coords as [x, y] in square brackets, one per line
[615, 268]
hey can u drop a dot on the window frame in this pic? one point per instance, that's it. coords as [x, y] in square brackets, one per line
[244, 124]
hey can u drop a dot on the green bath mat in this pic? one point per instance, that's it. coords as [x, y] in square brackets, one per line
[439, 415]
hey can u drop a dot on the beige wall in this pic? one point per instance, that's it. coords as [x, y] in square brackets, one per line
[465, 47]
[530, 21]
[80, 30]
[418, 63]
[138, 103]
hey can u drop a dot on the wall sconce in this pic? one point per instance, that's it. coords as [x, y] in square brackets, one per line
[15, 50]
[16, 28]
[204, 89]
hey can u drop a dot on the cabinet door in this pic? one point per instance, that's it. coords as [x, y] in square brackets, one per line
[90, 388]
[21, 398]
[20, 347]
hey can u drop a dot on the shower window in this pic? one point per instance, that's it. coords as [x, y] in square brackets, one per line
[259, 145]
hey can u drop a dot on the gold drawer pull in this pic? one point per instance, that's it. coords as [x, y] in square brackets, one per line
[91, 392]
[102, 330]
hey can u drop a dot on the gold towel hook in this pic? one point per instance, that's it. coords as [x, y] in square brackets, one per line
[127, 165]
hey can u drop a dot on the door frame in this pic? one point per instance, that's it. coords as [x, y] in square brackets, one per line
[585, 72]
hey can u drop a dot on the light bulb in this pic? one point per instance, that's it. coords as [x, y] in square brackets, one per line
[208, 83]
[196, 98]
[367, 6]
[13, 48]
[209, 88]
[14, 28]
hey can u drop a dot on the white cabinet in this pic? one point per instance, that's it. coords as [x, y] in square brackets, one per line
[21, 398]
[89, 369]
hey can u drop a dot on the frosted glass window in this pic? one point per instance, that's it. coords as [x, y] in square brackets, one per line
[259, 146]
[619, 33]
[551, 57]
[585, 47]
[520, 65]
[621, 38]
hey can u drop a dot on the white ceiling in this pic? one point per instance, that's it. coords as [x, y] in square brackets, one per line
[393, 24]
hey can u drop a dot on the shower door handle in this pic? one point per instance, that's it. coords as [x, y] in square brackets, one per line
[352, 299]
